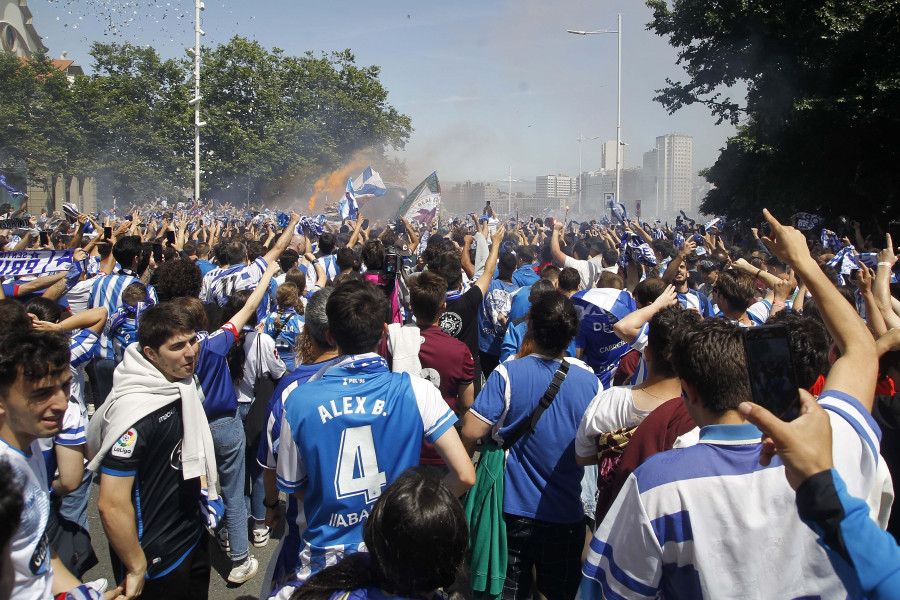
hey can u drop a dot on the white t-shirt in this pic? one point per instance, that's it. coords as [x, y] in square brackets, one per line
[610, 410]
[588, 271]
[79, 296]
[261, 359]
[30, 549]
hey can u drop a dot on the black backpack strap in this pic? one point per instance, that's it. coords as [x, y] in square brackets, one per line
[545, 402]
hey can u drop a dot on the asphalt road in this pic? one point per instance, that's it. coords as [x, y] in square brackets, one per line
[219, 588]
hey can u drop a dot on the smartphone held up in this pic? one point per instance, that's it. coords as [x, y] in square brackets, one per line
[770, 368]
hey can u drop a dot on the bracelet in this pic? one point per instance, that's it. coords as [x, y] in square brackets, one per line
[885, 264]
[273, 505]
[758, 271]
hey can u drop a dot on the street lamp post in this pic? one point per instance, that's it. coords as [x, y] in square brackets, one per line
[195, 101]
[580, 139]
[618, 32]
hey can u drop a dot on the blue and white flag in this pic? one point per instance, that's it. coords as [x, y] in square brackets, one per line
[34, 262]
[844, 261]
[831, 241]
[687, 218]
[348, 206]
[368, 184]
[807, 221]
[717, 222]
[313, 226]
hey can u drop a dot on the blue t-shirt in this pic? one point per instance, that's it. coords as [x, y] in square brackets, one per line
[525, 276]
[600, 309]
[520, 304]
[498, 299]
[213, 373]
[286, 337]
[543, 481]
[345, 436]
[205, 266]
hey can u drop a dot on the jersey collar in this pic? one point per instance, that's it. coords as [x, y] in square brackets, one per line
[732, 435]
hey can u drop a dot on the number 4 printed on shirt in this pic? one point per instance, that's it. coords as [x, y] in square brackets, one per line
[357, 469]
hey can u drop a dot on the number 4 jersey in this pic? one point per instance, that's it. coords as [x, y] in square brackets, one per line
[345, 435]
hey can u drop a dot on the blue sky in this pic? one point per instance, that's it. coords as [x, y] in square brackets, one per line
[489, 85]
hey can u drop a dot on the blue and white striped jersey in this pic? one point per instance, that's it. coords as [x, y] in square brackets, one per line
[344, 437]
[708, 521]
[219, 284]
[106, 291]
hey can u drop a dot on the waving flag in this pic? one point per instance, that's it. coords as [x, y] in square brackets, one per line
[423, 203]
[368, 184]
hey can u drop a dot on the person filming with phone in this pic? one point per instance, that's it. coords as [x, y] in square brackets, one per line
[710, 520]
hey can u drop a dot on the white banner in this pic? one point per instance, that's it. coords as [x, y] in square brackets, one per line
[34, 262]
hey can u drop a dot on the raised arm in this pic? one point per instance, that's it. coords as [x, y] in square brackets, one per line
[672, 269]
[283, 241]
[856, 370]
[882, 285]
[484, 282]
[628, 327]
[559, 257]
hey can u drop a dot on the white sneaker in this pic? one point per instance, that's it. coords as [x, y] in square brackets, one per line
[244, 571]
[261, 536]
[100, 585]
[222, 538]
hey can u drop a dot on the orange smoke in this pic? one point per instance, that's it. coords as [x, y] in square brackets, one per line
[334, 184]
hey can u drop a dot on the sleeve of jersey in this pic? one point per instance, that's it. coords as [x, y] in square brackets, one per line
[253, 273]
[759, 312]
[267, 453]
[81, 346]
[152, 291]
[289, 468]
[220, 342]
[625, 559]
[510, 344]
[643, 336]
[123, 458]
[74, 427]
[588, 429]
[436, 415]
[490, 403]
[856, 441]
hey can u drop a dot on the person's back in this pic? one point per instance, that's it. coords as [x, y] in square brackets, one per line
[600, 309]
[344, 447]
[354, 428]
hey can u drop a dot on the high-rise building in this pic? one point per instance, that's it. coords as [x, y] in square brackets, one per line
[674, 173]
[608, 155]
[469, 197]
[555, 186]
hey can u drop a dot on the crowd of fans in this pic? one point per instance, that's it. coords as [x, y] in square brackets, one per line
[484, 407]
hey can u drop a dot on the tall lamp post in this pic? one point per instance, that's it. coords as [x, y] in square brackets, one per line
[618, 32]
[580, 139]
[195, 101]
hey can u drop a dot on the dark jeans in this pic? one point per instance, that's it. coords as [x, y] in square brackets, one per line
[104, 370]
[553, 550]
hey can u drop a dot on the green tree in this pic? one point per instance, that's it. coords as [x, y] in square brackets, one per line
[139, 121]
[818, 128]
[276, 122]
[43, 123]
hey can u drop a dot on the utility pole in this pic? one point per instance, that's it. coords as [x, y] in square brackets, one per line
[195, 101]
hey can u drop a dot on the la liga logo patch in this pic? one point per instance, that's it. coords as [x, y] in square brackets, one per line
[124, 446]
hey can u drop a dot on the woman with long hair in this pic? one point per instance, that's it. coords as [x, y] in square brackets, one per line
[416, 539]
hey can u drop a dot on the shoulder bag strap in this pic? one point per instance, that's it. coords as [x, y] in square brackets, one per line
[545, 402]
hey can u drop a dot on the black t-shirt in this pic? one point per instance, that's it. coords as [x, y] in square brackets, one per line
[166, 505]
[460, 320]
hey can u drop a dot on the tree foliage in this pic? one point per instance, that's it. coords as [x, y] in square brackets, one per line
[275, 123]
[817, 129]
